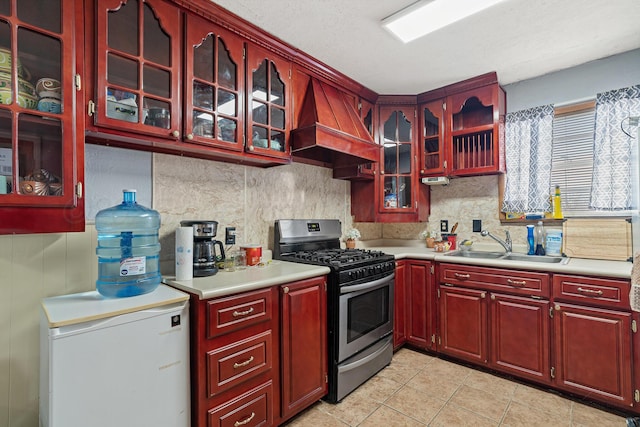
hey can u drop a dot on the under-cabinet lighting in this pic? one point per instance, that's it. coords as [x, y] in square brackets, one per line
[426, 16]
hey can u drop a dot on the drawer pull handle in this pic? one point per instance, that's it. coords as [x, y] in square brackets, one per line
[516, 282]
[242, 313]
[243, 364]
[462, 276]
[589, 291]
[243, 422]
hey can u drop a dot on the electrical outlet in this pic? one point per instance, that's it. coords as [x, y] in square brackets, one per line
[444, 226]
[477, 225]
[230, 236]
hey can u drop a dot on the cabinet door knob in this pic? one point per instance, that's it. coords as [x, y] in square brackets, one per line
[190, 136]
[285, 289]
[251, 148]
[175, 134]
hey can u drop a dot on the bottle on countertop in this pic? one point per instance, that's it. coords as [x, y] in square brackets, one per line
[531, 240]
[557, 204]
[540, 239]
[553, 245]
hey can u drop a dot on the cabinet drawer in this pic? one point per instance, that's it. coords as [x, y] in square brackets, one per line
[496, 279]
[251, 409]
[239, 311]
[233, 364]
[590, 290]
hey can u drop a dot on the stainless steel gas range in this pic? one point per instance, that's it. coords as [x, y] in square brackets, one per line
[360, 299]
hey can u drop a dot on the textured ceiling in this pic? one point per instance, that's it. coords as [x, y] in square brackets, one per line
[519, 39]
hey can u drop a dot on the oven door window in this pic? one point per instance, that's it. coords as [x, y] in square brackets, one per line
[367, 312]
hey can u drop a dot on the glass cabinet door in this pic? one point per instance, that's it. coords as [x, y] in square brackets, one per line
[397, 158]
[215, 70]
[138, 66]
[38, 152]
[268, 103]
[432, 146]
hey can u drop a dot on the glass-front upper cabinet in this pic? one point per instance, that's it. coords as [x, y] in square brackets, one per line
[40, 179]
[432, 153]
[268, 98]
[138, 48]
[396, 174]
[367, 114]
[213, 93]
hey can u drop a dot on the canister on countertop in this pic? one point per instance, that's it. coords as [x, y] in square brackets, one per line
[253, 253]
[554, 242]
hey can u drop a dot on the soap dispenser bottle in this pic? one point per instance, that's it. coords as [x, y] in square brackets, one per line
[531, 240]
[540, 239]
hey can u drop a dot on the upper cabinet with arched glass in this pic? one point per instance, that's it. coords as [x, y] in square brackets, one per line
[268, 99]
[214, 84]
[138, 73]
[40, 154]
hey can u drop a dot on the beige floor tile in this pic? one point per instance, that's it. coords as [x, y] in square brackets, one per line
[415, 404]
[378, 388]
[486, 404]
[519, 415]
[433, 385]
[587, 416]
[352, 410]
[413, 358]
[400, 372]
[543, 400]
[453, 415]
[491, 384]
[315, 417]
[387, 417]
[444, 369]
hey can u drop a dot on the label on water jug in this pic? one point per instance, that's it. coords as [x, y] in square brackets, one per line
[133, 266]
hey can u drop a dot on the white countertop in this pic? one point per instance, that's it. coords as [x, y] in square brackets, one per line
[589, 267]
[82, 307]
[227, 283]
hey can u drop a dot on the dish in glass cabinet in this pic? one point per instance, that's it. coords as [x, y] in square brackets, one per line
[34, 188]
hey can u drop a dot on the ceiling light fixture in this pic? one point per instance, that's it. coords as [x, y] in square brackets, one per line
[426, 16]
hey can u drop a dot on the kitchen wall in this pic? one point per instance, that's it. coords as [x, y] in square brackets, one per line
[40, 265]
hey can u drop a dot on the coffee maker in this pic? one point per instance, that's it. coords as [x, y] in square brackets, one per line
[207, 252]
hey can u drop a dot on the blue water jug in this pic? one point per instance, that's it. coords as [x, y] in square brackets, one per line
[128, 248]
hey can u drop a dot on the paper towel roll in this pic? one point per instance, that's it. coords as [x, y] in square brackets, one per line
[184, 253]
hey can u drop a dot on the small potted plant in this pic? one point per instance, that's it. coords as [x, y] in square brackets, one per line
[350, 237]
[429, 236]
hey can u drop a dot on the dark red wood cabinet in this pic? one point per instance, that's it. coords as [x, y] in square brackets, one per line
[594, 338]
[258, 357]
[41, 144]
[496, 317]
[400, 305]
[463, 128]
[420, 308]
[303, 320]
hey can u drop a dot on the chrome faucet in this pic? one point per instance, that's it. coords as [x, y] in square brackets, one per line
[506, 244]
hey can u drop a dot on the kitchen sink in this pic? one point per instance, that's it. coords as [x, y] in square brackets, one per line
[482, 255]
[535, 258]
[509, 257]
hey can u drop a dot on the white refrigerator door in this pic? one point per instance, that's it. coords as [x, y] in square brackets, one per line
[127, 370]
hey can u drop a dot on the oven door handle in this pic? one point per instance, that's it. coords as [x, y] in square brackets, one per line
[366, 359]
[368, 285]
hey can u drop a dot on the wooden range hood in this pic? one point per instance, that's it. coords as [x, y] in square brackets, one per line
[330, 131]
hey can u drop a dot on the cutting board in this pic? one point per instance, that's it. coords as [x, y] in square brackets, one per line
[598, 238]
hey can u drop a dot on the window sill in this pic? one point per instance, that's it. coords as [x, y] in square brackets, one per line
[545, 221]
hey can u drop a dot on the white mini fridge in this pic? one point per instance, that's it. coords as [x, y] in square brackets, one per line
[108, 362]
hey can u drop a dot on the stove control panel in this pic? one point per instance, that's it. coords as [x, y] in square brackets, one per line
[366, 273]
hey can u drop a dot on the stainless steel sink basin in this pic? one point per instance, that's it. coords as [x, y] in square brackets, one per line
[534, 258]
[510, 257]
[472, 254]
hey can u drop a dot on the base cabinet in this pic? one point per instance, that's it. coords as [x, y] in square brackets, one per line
[303, 344]
[420, 308]
[594, 339]
[258, 357]
[400, 304]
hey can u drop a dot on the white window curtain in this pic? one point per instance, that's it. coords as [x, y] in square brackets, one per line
[529, 136]
[612, 150]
